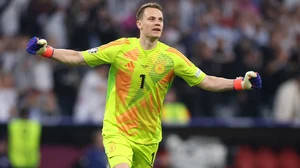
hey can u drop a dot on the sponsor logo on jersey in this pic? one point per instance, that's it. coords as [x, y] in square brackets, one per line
[130, 65]
[145, 66]
[93, 50]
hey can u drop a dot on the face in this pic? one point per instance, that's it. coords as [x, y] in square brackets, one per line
[151, 23]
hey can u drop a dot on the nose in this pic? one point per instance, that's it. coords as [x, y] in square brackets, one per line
[157, 24]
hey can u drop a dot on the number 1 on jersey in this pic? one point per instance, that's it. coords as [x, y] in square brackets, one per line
[143, 80]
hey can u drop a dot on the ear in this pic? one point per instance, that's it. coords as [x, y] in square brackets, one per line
[139, 24]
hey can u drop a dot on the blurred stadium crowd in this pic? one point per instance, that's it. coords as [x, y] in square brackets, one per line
[222, 37]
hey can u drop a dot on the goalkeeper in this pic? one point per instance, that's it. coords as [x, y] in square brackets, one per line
[142, 70]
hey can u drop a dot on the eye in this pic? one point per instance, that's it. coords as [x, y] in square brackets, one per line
[151, 18]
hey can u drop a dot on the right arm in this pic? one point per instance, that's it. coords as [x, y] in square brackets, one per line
[104, 54]
[40, 47]
[69, 57]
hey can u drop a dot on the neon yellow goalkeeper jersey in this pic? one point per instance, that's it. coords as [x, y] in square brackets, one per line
[137, 84]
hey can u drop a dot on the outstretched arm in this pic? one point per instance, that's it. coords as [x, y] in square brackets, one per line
[40, 47]
[216, 84]
[252, 80]
[69, 57]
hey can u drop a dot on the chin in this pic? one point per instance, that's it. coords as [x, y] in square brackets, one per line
[156, 36]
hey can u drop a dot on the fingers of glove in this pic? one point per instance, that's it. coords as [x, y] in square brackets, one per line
[256, 82]
[251, 74]
[42, 42]
[34, 47]
[255, 79]
[256, 87]
[30, 51]
[32, 41]
[32, 44]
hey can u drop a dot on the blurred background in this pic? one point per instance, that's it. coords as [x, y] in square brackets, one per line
[51, 114]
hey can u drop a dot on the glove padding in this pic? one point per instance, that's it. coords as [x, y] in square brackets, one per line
[38, 46]
[252, 80]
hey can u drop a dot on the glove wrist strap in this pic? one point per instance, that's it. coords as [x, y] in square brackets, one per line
[49, 52]
[237, 83]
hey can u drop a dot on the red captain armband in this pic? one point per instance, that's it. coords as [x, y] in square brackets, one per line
[49, 52]
[237, 83]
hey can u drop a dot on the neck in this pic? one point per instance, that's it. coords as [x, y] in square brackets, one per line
[148, 43]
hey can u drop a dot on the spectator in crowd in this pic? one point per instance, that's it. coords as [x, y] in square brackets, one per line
[10, 14]
[286, 104]
[90, 104]
[106, 32]
[162, 159]
[95, 156]
[42, 76]
[78, 24]
[4, 162]
[66, 82]
[250, 59]
[24, 141]
[8, 97]
[51, 112]
[200, 101]
[23, 69]
[174, 112]
[42, 107]
[32, 99]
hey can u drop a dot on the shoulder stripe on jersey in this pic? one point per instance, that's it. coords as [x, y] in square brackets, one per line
[173, 50]
[114, 43]
[132, 54]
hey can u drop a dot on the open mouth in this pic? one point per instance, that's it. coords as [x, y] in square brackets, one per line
[156, 29]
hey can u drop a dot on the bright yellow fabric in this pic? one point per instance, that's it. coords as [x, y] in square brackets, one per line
[137, 84]
[24, 143]
[121, 150]
[175, 114]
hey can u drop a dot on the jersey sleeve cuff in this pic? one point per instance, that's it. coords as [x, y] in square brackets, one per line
[86, 60]
[200, 79]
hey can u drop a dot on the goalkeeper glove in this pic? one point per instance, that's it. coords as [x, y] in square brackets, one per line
[38, 46]
[252, 80]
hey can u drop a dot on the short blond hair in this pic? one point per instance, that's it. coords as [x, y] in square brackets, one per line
[141, 10]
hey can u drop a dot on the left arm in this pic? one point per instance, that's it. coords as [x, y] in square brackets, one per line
[185, 69]
[251, 80]
[216, 84]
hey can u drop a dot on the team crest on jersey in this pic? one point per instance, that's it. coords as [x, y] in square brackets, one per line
[93, 50]
[112, 146]
[160, 67]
